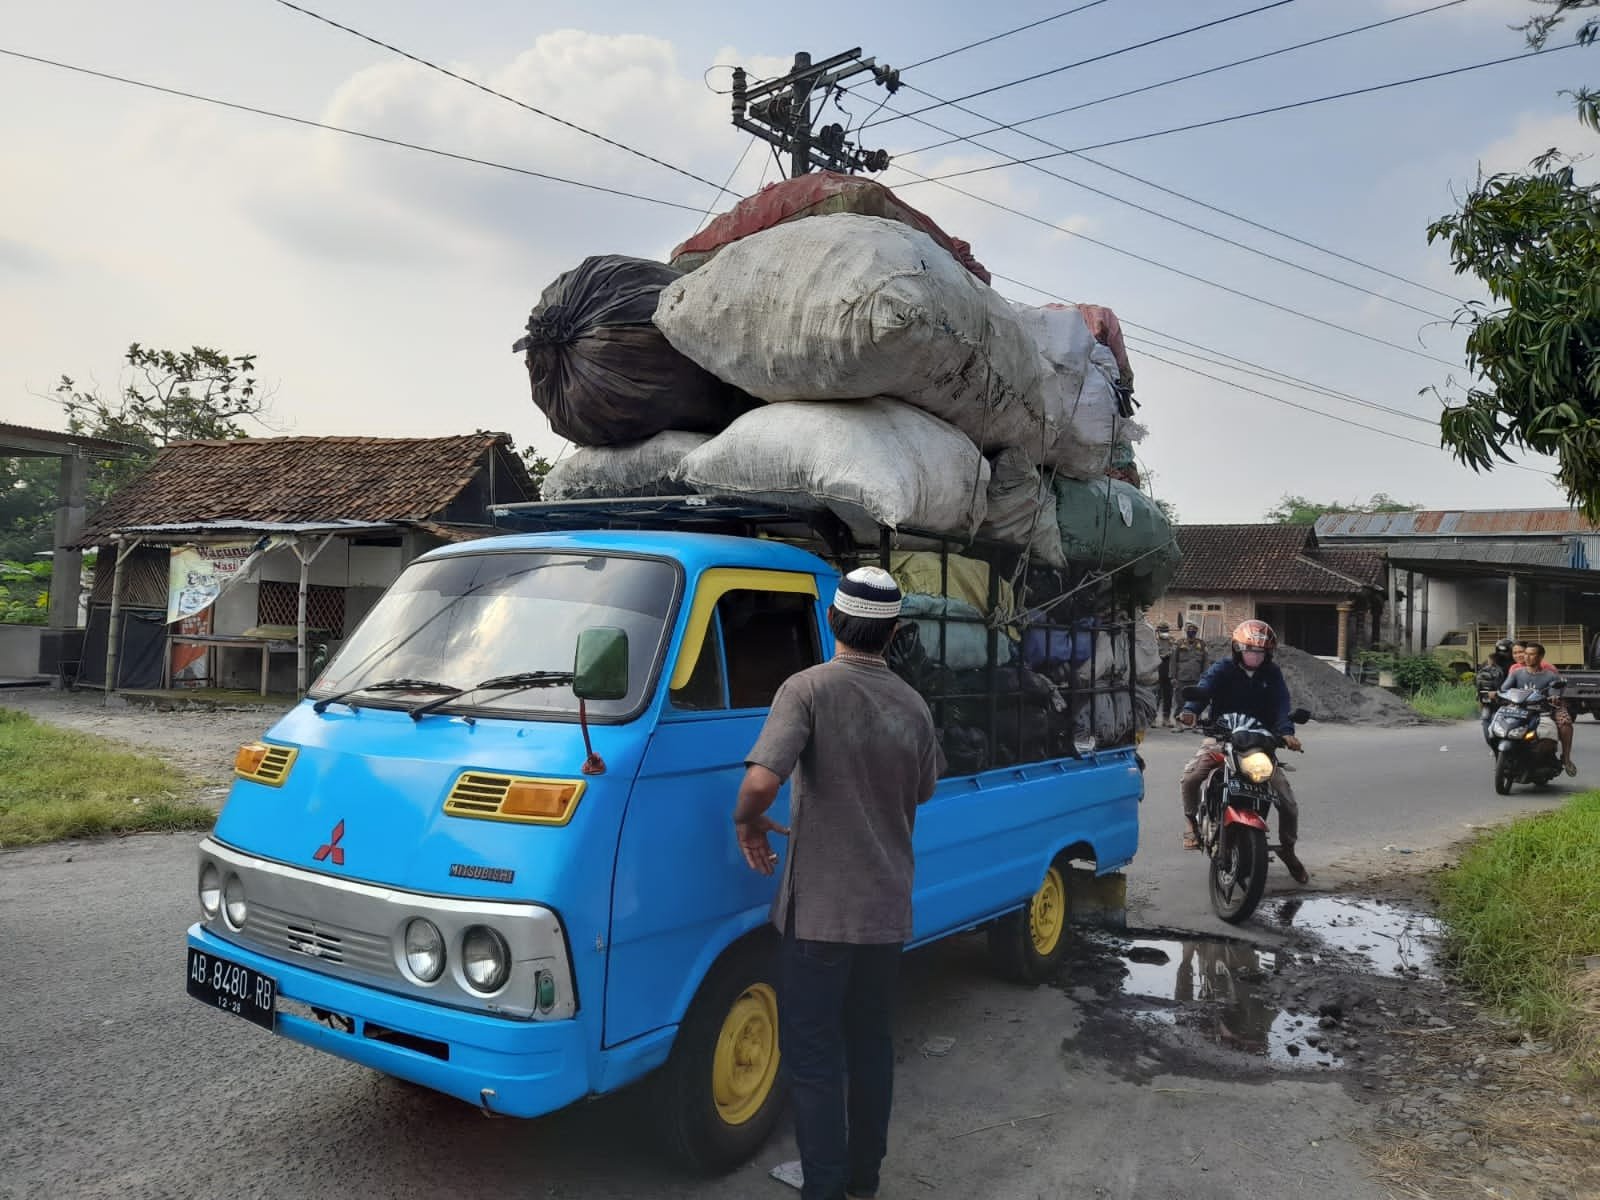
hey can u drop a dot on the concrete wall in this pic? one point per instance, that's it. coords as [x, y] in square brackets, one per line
[19, 650]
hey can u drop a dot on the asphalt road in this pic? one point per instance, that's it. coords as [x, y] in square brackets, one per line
[114, 1084]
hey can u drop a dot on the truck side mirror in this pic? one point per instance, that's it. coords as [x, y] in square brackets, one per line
[600, 666]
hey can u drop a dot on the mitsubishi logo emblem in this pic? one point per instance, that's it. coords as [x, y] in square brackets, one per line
[332, 847]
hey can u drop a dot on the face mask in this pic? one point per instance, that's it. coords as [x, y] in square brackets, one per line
[1253, 659]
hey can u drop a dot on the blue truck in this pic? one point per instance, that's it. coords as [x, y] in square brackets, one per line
[490, 852]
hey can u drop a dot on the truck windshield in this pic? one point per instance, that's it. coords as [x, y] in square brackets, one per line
[468, 617]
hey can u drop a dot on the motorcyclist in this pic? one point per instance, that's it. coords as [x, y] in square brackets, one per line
[1164, 675]
[1536, 673]
[1250, 683]
[1189, 658]
[1489, 680]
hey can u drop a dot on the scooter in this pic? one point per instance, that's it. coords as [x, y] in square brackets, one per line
[1523, 733]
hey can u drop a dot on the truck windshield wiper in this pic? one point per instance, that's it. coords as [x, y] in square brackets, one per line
[514, 683]
[383, 685]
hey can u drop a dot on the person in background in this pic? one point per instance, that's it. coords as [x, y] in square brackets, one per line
[1536, 673]
[860, 746]
[1491, 677]
[1164, 675]
[1189, 659]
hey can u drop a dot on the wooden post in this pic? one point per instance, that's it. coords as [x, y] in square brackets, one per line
[1422, 633]
[1511, 606]
[301, 663]
[1411, 612]
[1391, 613]
[1345, 607]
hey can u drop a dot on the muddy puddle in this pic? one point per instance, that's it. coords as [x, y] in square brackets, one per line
[1234, 997]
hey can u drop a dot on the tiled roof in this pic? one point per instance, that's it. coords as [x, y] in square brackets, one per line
[309, 479]
[1269, 558]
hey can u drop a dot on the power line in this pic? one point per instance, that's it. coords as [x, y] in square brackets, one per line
[998, 36]
[1158, 214]
[1163, 188]
[356, 133]
[1150, 87]
[1168, 267]
[1082, 62]
[1234, 362]
[705, 216]
[522, 104]
[1262, 112]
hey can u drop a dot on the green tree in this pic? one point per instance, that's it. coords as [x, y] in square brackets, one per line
[166, 396]
[1533, 239]
[1298, 510]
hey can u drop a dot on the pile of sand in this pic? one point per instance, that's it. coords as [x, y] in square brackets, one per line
[1329, 693]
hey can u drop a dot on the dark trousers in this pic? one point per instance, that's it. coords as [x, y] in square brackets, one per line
[837, 1004]
[1164, 696]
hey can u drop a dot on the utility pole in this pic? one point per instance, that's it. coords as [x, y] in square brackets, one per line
[779, 112]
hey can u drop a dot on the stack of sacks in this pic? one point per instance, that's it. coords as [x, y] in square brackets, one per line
[1113, 525]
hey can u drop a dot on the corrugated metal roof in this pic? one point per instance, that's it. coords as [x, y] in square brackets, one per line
[1490, 522]
[21, 440]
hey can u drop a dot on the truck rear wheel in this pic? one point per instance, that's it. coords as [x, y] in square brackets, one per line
[1028, 946]
[718, 1095]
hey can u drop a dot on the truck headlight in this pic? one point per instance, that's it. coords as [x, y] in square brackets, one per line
[234, 907]
[424, 947]
[1257, 766]
[210, 890]
[485, 960]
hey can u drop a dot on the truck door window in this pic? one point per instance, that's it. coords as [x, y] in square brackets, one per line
[704, 691]
[767, 637]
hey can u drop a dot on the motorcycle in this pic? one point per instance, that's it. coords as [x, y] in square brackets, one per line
[1234, 804]
[1523, 732]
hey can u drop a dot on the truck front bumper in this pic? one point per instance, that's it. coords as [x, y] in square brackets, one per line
[518, 1068]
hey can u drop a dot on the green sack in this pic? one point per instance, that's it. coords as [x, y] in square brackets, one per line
[1109, 524]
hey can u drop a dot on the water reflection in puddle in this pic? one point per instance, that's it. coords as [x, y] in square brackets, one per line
[1218, 986]
[1395, 940]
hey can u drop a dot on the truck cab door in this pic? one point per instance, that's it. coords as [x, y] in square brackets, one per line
[680, 883]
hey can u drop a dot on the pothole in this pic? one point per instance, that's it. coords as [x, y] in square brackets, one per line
[1394, 940]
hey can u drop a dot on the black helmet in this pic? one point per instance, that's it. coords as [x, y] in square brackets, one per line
[1503, 646]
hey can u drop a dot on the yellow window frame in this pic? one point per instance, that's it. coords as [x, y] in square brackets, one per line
[712, 586]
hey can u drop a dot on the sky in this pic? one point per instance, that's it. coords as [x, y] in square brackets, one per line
[381, 288]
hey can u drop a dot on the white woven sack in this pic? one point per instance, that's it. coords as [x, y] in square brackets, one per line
[1079, 395]
[844, 306]
[870, 461]
[636, 469]
[1022, 509]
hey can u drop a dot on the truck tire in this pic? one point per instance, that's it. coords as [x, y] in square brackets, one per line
[718, 1096]
[1028, 946]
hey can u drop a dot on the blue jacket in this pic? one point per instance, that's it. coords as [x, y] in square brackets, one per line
[1229, 688]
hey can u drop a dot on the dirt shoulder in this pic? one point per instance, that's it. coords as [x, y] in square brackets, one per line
[199, 742]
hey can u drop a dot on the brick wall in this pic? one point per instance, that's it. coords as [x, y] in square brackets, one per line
[1174, 608]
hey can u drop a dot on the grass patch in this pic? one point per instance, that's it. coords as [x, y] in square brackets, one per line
[58, 783]
[1523, 911]
[1447, 701]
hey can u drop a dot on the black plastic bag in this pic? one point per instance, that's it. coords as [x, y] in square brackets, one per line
[601, 371]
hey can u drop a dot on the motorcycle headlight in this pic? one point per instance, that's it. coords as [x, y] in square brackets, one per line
[424, 949]
[485, 961]
[1257, 766]
[1530, 735]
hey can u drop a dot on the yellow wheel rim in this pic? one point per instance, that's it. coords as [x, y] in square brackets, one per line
[746, 1062]
[1047, 914]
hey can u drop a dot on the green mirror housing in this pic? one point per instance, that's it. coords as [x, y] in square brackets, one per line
[600, 667]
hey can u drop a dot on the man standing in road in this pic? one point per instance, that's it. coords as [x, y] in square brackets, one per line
[1189, 660]
[1164, 675]
[1536, 673]
[860, 746]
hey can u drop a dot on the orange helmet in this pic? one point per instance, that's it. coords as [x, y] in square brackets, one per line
[1254, 635]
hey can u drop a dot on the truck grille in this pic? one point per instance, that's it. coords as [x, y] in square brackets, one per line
[274, 930]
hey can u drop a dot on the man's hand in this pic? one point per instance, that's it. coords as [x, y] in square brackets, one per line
[758, 852]
[1186, 719]
[1292, 743]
